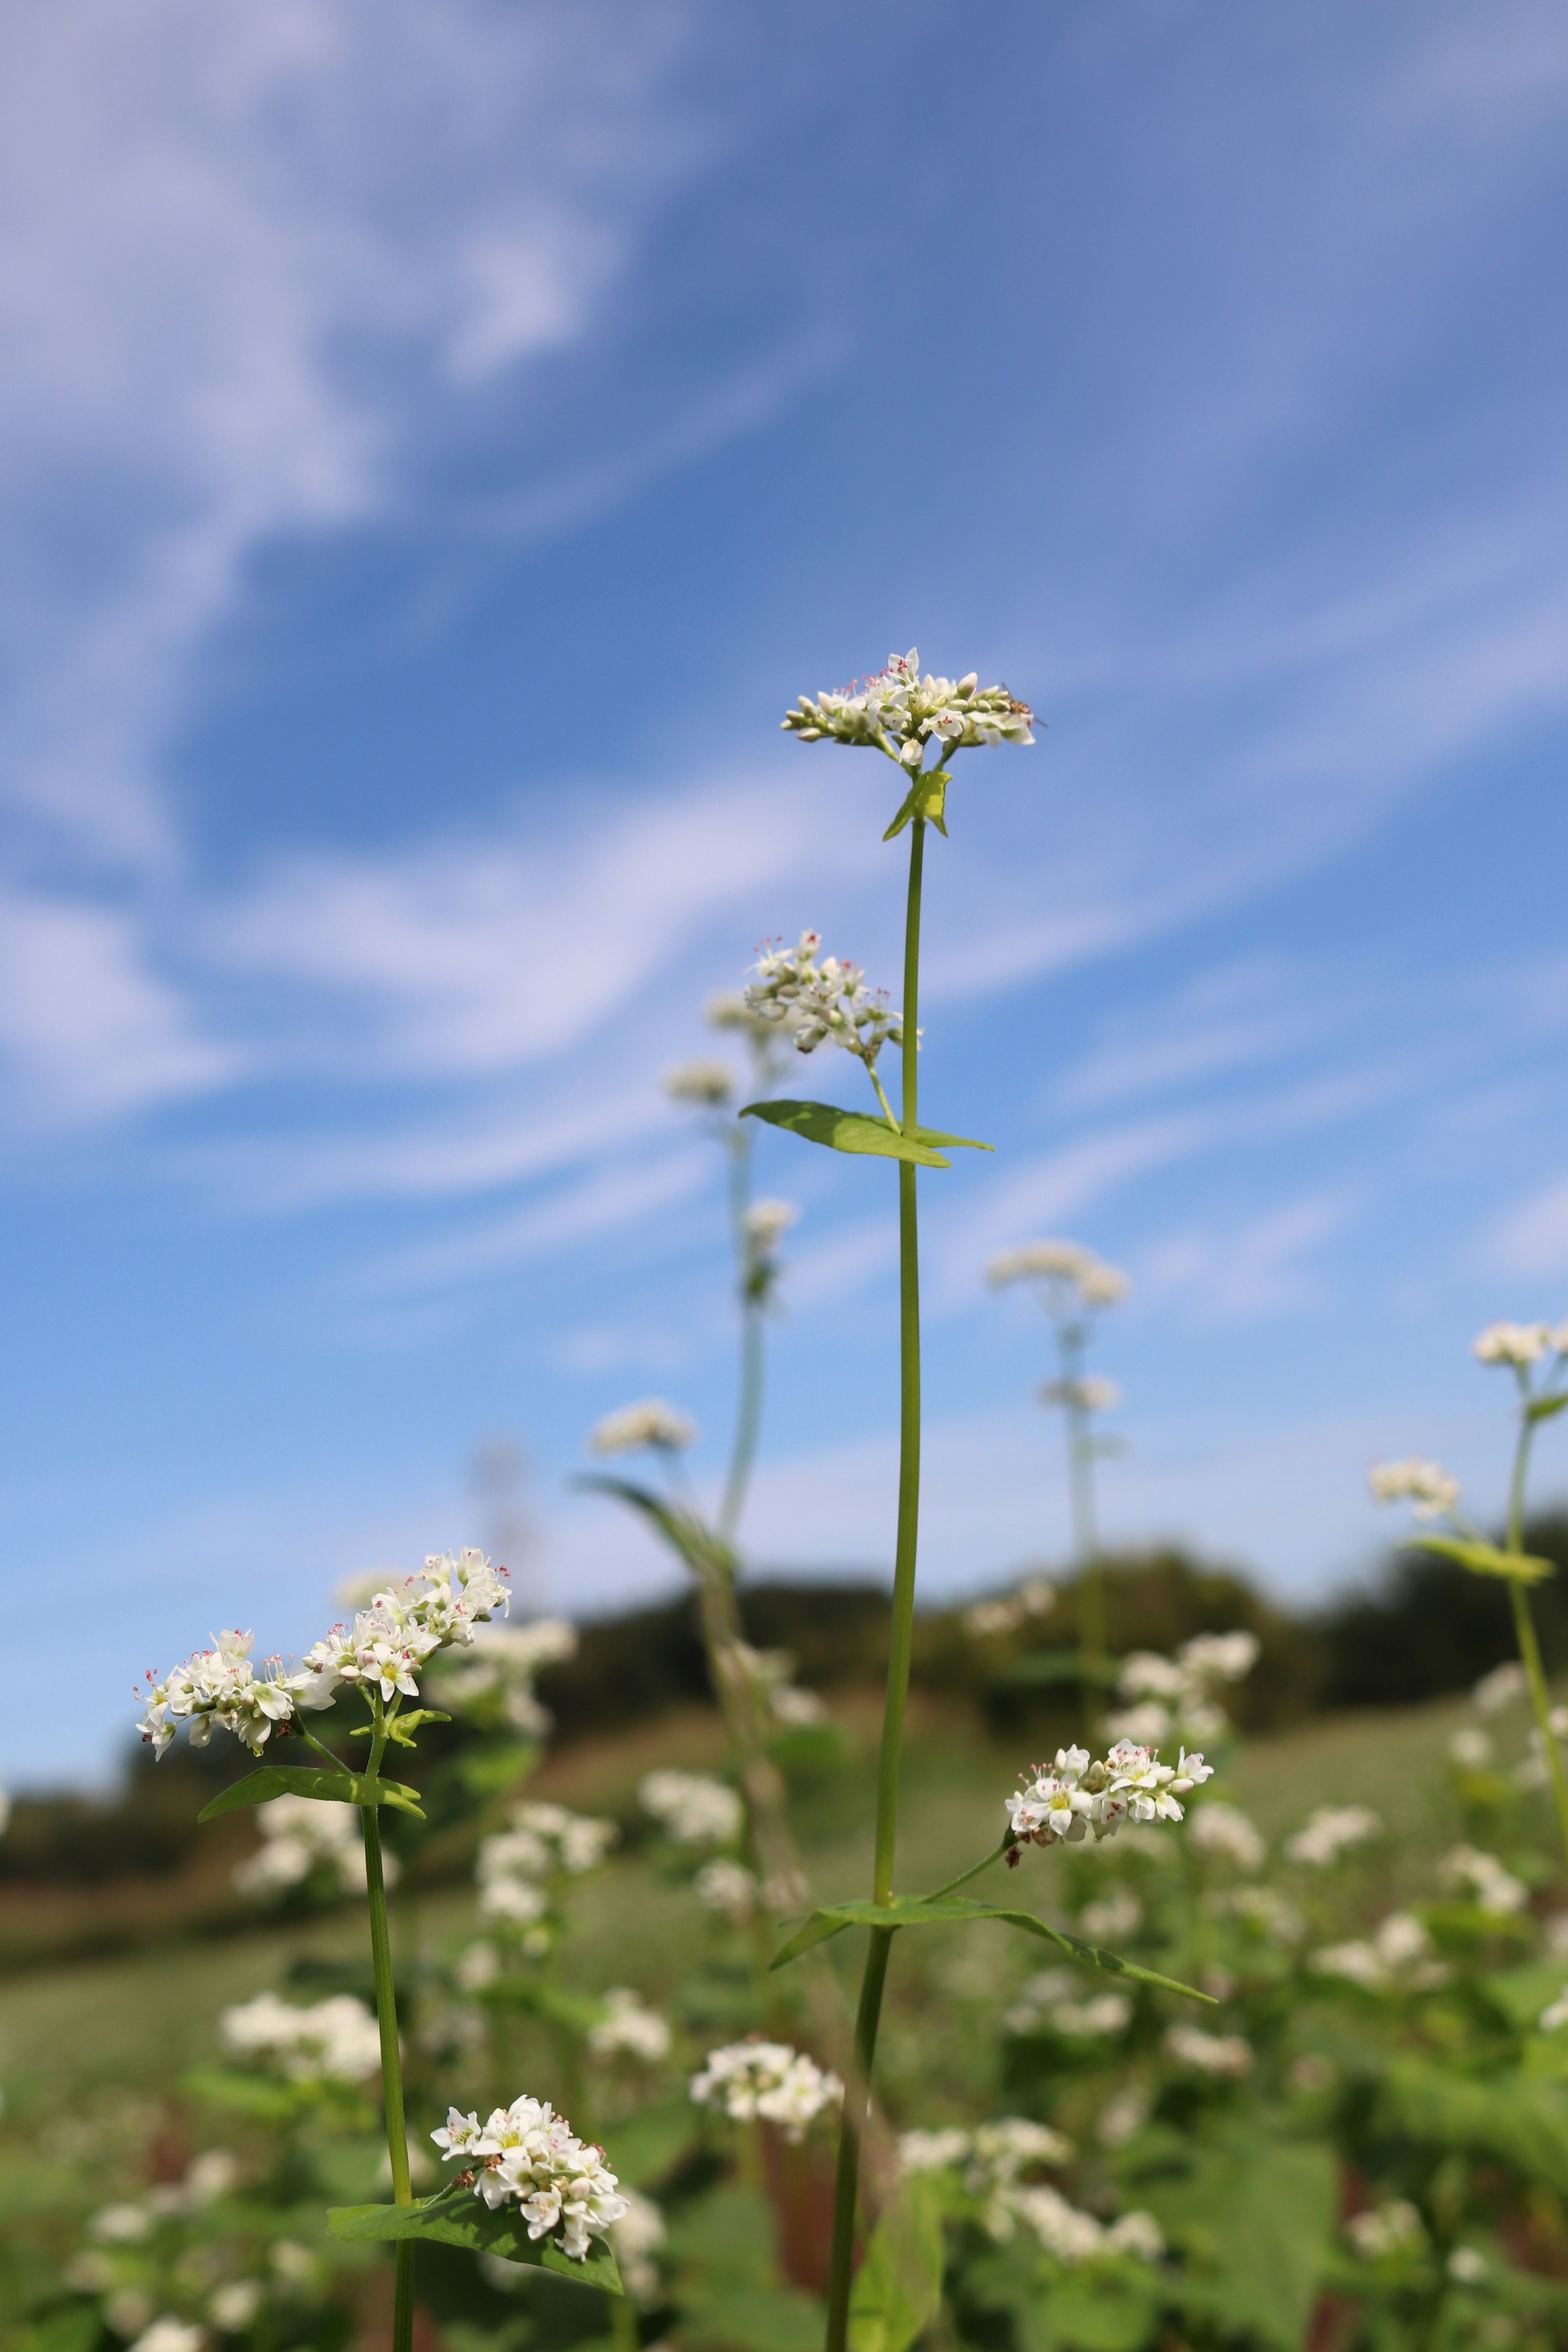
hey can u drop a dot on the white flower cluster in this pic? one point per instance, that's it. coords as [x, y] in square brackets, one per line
[1224, 2055]
[1331, 1830]
[1073, 1273]
[767, 1223]
[1225, 1831]
[987, 1619]
[994, 2157]
[1519, 1344]
[1398, 1959]
[1555, 2013]
[1433, 1490]
[1074, 1796]
[1465, 1869]
[628, 2029]
[898, 712]
[544, 1842]
[528, 2156]
[1470, 1747]
[1086, 1392]
[1178, 1695]
[691, 1808]
[337, 2040]
[171, 2335]
[300, 1835]
[650, 1422]
[388, 1642]
[1045, 2000]
[710, 1085]
[767, 2081]
[635, 2238]
[1116, 1913]
[727, 1886]
[1395, 2227]
[823, 1000]
[766, 1673]
[1502, 1688]
[504, 1662]
[1259, 1908]
[207, 2177]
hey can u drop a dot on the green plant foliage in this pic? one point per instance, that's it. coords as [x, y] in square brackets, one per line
[858, 1132]
[271, 1780]
[458, 2218]
[954, 1910]
[898, 2287]
[1255, 2216]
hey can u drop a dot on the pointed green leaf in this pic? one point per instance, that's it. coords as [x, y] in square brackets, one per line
[949, 1910]
[846, 1131]
[1485, 1559]
[458, 2218]
[1543, 1408]
[937, 1137]
[898, 2288]
[310, 1780]
[927, 797]
[683, 1531]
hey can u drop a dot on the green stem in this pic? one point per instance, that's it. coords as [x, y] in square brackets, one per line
[852, 2128]
[964, 1877]
[1085, 1527]
[391, 2063]
[857, 2099]
[748, 1421]
[1525, 1634]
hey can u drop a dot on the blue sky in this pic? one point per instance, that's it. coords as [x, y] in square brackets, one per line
[434, 448]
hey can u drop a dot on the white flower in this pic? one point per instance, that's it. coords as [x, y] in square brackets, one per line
[121, 2225]
[1555, 2013]
[301, 1834]
[1105, 2014]
[710, 1084]
[1331, 1830]
[213, 2173]
[1144, 1674]
[1002, 2150]
[899, 712]
[1113, 1916]
[1261, 1908]
[1225, 1830]
[628, 2028]
[1398, 1958]
[505, 1660]
[1391, 2229]
[1220, 1657]
[767, 2080]
[1519, 1344]
[932, 2151]
[128, 2310]
[1074, 1797]
[337, 2040]
[170, 2335]
[512, 1902]
[1221, 2054]
[635, 2238]
[1075, 2237]
[549, 1837]
[1496, 1890]
[825, 1001]
[1070, 1271]
[527, 2154]
[1470, 1747]
[1467, 2265]
[1088, 1392]
[219, 1686]
[1146, 1726]
[1500, 1687]
[295, 2264]
[649, 1422]
[1433, 1490]
[727, 1886]
[234, 2306]
[767, 1223]
[1036, 1597]
[1123, 2115]
[692, 1808]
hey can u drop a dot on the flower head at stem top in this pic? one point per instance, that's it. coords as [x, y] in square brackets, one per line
[825, 1002]
[898, 712]
[649, 1422]
[1073, 1281]
[1067, 1800]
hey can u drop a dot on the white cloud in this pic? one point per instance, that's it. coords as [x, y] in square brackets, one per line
[1532, 1238]
[1255, 1268]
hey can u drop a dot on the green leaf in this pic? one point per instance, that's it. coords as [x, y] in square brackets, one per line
[1543, 1408]
[939, 1136]
[897, 2290]
[684, 1532]
[847, 1131]
[1255, 2218]
[927, 797]
[264, 2100]
[458, 2218]
[312, 1781]
[1485, 1559]
[951, 1910]
[1519, 2121]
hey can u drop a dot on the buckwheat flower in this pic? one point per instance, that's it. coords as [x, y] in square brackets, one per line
[650, 1422]
[1002, 2150]
[1500, 1688]
[1467, 2265]
[234, 2306]
[1465, 1869]
[1225, 1831]
[1224, 2055]
[636, 2239]
[1220, 1657]
[1398, 1959]
[691, 1808]
[932, 2151]
[1519, 1344]
[1433, 1490]
[1112, 1915]
[1259, 1908]
[1074, 1797]
[753, 2080]
[1145, 1675]
[710, 1085]
[1554, 2014]
[767, 1223]
[823, 1002]
[1075, 2237]
[529, 2156]
[219, 1686]
[1105, 2014]
[560, 1839]
[1146, 1726]
[1065, 1267]
[629, 2029]
[898, 711]
[171, 2335]
[1088, 1392]
[1330, 1831]
[122, 2225]
[1395, 2227]
[1123, 2116]
[1035, 1597]
[727, 1886]
[300, 1835]
[1470, 1747]
[336, 2041]
[512, 1902]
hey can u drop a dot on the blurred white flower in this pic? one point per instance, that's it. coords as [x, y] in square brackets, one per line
[477, 1965]
[692, 1808]
[767, 2080]
[234, 2306]
[301, 1834]
[767, 1223]
[336, 2041]
[711, 1085]
[121, 2225]
[1086, 1392]
[1073, 1272]
[1519, 1344]
[1433, 1490]
[1225, 1831]
[628, 2028]
[1555, 2013]
[1467, 2265]
[1470, 1747]
[1123, 2115]
[823, 1002]
[1118, 1913]
[650, 1422]
[1502, 1688]
[1330, 1830]
[1036, 1597]
[169, 2335]
[1261, 1908]
[1465, 1869]
[1398, 1959]
[506, 1660]
[727, 1886]
[1220, 2054]
[933, 2151]
[634, 2239]
[1395, 2227]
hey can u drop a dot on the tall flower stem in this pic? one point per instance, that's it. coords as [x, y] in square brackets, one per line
[1524, 1628]
[749, 1409]
[857, 2094]
[391, 2062]
[1084, 1526]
